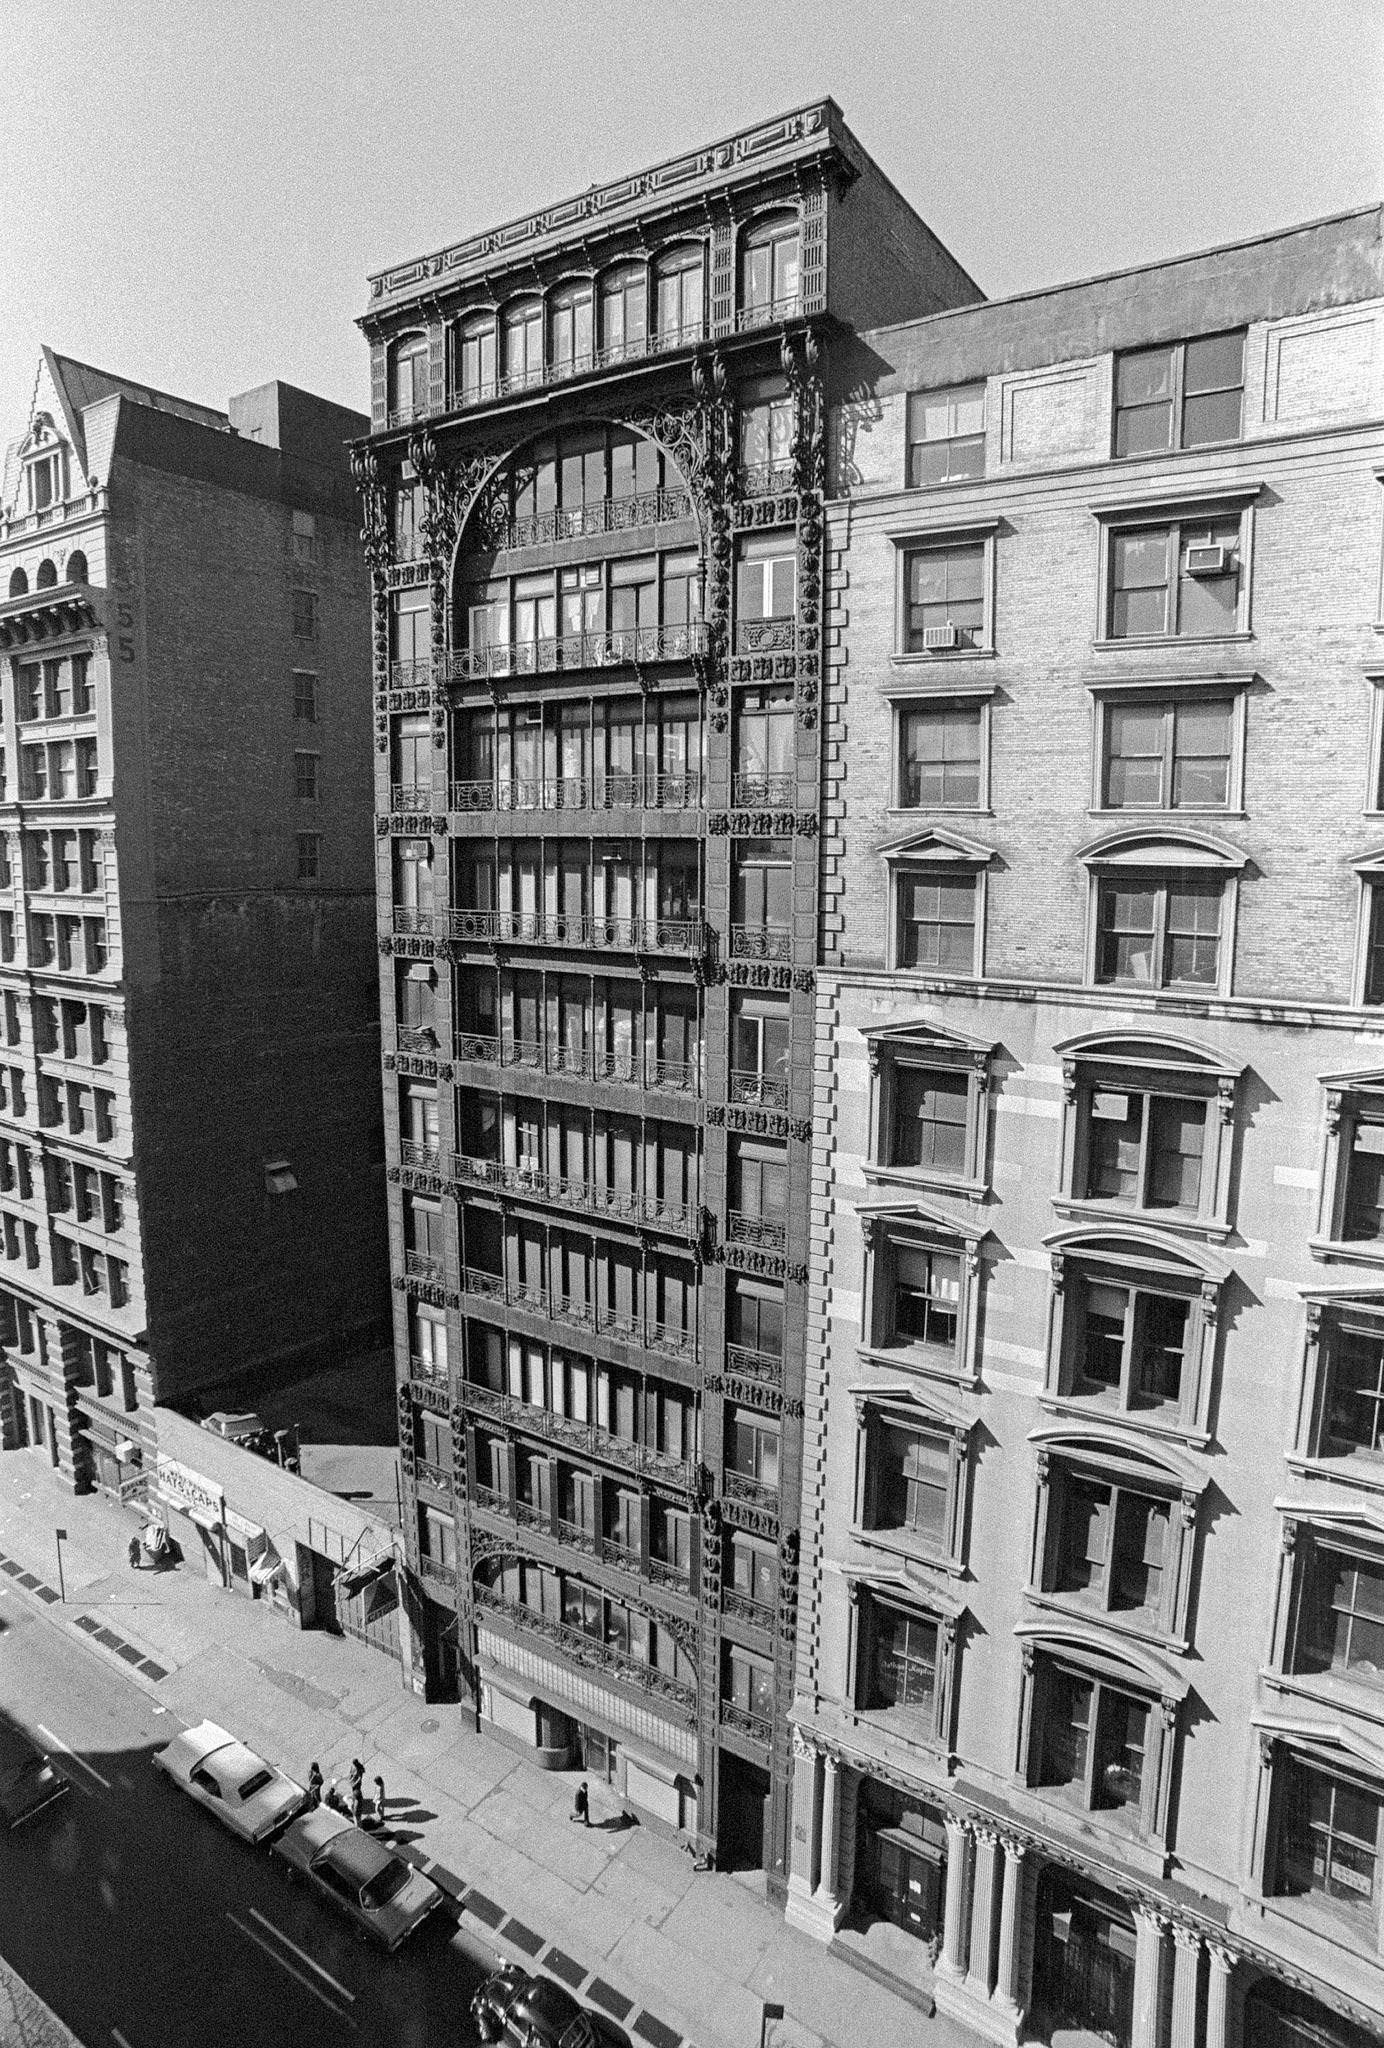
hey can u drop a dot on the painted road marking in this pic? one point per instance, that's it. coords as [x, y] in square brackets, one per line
[119, 2038]
[302, 1954]
[57, 1743]
[285, 1964]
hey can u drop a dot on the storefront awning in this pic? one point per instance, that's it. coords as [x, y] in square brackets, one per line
[355, 1578]
[203, 1517]
[265, 1568]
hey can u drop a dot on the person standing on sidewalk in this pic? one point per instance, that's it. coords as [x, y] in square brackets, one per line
[581, 1805]
[379, 1802]
[315, 1784]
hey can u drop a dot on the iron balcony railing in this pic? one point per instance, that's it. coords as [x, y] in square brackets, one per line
[433, 1475]
[744, 1607]
[743, 1227]
[424, 1266]
[585, 1437]
[611, 792]
[626, 646]
[408, 796]
[758, 1727]
[427, 1371]
[576, 1536]
[742, 1486]
[761, 942]
[598, 934]
[583, 1062]
[410, 547]
[415, 1039]
[405, 415]
[762, 789]
[768, 1091]
[623, 1325]
[413, 923]
[678, 1577]
[766, 636]
[435, 1568]
[411, 675]
[754, 1365]
[766, 311]
[627, 1205]
[603, 515]
[589, 1650]
[484, 390]
[425, 1158]
[767, 479]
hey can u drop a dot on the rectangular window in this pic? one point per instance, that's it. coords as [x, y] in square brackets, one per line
[1353, 1413]
[86, 768]
[751, 1686]
[946, 434]
[940, 757]
[926, 1297]
[1341, 1620]
[1159, 934]
[305, 696]
[945, 598]
[1129, 1345]
[1186, 394]
[309, 856]
[927, 1125]
[752, 1570]
[476, 362]
[903, 1664]
[1112, 1547]
[305, 614]
[1170, 756]
[1329, 1843]
[1091, 1742]
[765, 587]
[1144, 1149]
[1175, 581]
[937, 922]
[913, 1474]
[305, 775]
[83, 689]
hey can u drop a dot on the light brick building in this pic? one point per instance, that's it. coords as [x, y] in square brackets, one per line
[594, 501]
[1090, 1679]
[190, 1178]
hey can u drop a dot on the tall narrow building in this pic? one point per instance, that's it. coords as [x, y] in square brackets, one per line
[594, 513]
[190, 1186]
[1090, 1685]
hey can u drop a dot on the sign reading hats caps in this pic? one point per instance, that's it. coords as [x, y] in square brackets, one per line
[201, 1500]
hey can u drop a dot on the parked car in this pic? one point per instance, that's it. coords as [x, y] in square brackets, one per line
[246, 1794]
[385, 1896]
[28, 1781]
[523, 2011]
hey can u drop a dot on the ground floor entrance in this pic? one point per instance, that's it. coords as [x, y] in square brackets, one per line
[900, 1860]
[1083, 1956]
[742, 1811]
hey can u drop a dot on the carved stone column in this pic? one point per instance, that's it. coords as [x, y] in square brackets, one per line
[801, 1907]
[1150, 1928]
[1186, 1966]
[978, 1977]
[827, 1895]
[952, 1961]
[1008, 1975]
[1222, 1964]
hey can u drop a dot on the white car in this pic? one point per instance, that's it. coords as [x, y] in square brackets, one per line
[385, 1896]
[246, 1794]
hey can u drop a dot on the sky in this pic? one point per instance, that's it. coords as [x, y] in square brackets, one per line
[194, 191]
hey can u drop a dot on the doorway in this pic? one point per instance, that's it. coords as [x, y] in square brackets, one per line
[742, 1809]
[1083, 1956]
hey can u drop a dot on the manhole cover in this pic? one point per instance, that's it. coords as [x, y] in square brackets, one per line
[430, 1727]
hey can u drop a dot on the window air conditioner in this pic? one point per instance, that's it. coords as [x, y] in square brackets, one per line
[1206, 560]
[941, 636]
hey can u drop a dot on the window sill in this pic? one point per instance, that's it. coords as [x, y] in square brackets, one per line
[1117, 1214]
[1362, 1471]
[920, 1177]
[901, 1724]
[1172, 641]
[928, 975]
[929, 1365]
[1084, 1824]
[1319, 1923]
[905, 813]
[1367, 1251]
[1357, 1698]
[927, 657]
[1140, 813]
[898, 1543]
[1118, 1624]
[1194, 997]
[1089, 1409]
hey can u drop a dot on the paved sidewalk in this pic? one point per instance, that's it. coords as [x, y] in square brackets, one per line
[679, 1952]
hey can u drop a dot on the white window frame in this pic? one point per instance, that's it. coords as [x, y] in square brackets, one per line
[1109, 691]
[903, 1405]
[1114, 1457]
[1342, 1751]
[1369, 881]
[965, 697]
[1348, 1096]
[1130, 1062]
[1355, 1529]
[1329, 1316]
[927, 1045]
[1127, 1253]
[1123, 513]
[1142, 850]
[919, 1227]
[939, 852]
[938, 536]
[870, 1590]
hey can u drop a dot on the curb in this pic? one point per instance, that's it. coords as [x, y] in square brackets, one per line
[134, 1662]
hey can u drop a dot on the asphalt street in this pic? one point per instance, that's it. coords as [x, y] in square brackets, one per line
[145, 1925]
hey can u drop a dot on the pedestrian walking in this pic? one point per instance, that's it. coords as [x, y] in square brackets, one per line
[134, 1553]
[357, 1774]
[379, 1802]
[315, 1784]
[581, 1805]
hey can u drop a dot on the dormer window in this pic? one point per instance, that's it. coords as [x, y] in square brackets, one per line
[45, 465]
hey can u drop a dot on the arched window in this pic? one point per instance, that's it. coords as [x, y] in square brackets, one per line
[769, 275]
[523, 332]
[681, 296]
[474, 367]
[19, 583]
[624, 312]
[570, 329]
[76, 567]
[47, 575]
[408, 379]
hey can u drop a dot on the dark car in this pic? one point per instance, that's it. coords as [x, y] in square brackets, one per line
[521, 2011]
[385, 1896]
[28, 1781]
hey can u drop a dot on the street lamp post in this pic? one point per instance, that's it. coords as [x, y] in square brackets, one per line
[62, 1589]
[767, 2013]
